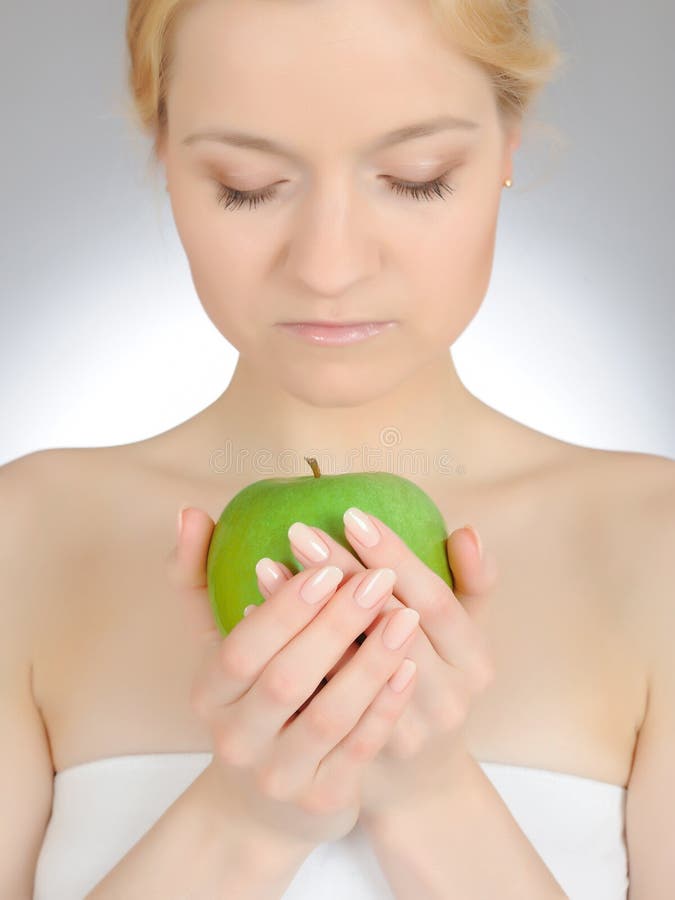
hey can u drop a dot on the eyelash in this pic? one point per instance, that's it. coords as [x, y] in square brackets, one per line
[229, 198]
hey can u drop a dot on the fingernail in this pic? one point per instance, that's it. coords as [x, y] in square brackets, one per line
[322, 584]
[179, 523]
[399, 629]
[361, 527]
[268, 572]
[400, 680]
[374, 587]
[249, 608]
[476, 539]
[308, 542]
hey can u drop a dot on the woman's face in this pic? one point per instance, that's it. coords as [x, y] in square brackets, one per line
[335, 238]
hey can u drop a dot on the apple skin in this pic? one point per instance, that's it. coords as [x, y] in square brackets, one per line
[255, 523]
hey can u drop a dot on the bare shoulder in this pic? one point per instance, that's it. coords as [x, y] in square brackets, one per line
[629, 495]
[58, 479]
[31, 488]
[43, 488]
[640, 474]
[51, 502]
[648, 529]
[635, 489]
[39, 515]
[632, 496]
[649, 571]
[34, 531]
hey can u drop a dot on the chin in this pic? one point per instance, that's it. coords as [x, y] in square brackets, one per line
[354, 389]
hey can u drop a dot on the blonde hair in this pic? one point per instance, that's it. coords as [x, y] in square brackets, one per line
[500, 35]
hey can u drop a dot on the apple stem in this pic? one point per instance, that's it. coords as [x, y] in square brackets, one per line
[314, 466]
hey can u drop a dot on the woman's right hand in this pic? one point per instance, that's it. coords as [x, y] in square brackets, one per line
[293, 747]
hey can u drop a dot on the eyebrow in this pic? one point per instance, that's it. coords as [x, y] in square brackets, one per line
[398, 136]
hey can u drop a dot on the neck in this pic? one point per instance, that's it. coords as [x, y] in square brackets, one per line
[429, 426]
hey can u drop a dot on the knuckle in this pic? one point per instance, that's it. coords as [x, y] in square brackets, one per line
[280, 687]
[322, 724]
[362, 747]
[235, 662]
[390, 713]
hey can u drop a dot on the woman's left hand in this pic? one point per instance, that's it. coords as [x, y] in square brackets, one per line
[452, 656]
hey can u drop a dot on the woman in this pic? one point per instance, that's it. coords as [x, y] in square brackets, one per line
[529, 754]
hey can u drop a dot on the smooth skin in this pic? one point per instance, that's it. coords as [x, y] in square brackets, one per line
[583, 618]
[258, 685]
[337, 238]
[301, 778]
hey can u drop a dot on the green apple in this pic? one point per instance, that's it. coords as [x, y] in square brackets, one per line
[255, 523]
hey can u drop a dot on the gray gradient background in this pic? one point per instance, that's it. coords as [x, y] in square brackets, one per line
[103, 339]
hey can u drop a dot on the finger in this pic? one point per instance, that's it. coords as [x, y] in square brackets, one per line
[474, 572]
[345, 764]
[294, 673]
[446, 623]
[348, 654]
[256, 639]
[272, 574]
[447, 631]
[310, 543]
[467, 651]
[186, 569]
[337, 709]
[313, 546]
[376, 726]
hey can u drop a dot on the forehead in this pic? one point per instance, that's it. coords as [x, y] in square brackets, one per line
[294, 65]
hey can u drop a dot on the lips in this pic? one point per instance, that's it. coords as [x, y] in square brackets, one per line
[320, 324]
[336, 334]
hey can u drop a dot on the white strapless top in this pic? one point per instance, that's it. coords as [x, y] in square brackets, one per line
[102, 808]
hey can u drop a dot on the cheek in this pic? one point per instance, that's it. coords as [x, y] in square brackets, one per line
[223, 264]
[450, 273]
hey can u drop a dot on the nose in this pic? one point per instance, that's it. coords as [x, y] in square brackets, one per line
[331, 248]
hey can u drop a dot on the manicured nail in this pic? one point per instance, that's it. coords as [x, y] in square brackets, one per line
[374, 587]
[358, 524]
[476, 539]
[308, 542]
[322, 584]
[399, 629]
[268, 572]
[400, 680]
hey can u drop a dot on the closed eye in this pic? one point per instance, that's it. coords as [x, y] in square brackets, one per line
[230, 198]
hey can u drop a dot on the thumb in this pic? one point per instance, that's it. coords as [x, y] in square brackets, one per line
[474, 571]
[186, 570]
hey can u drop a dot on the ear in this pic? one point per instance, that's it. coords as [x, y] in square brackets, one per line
[513, 135]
